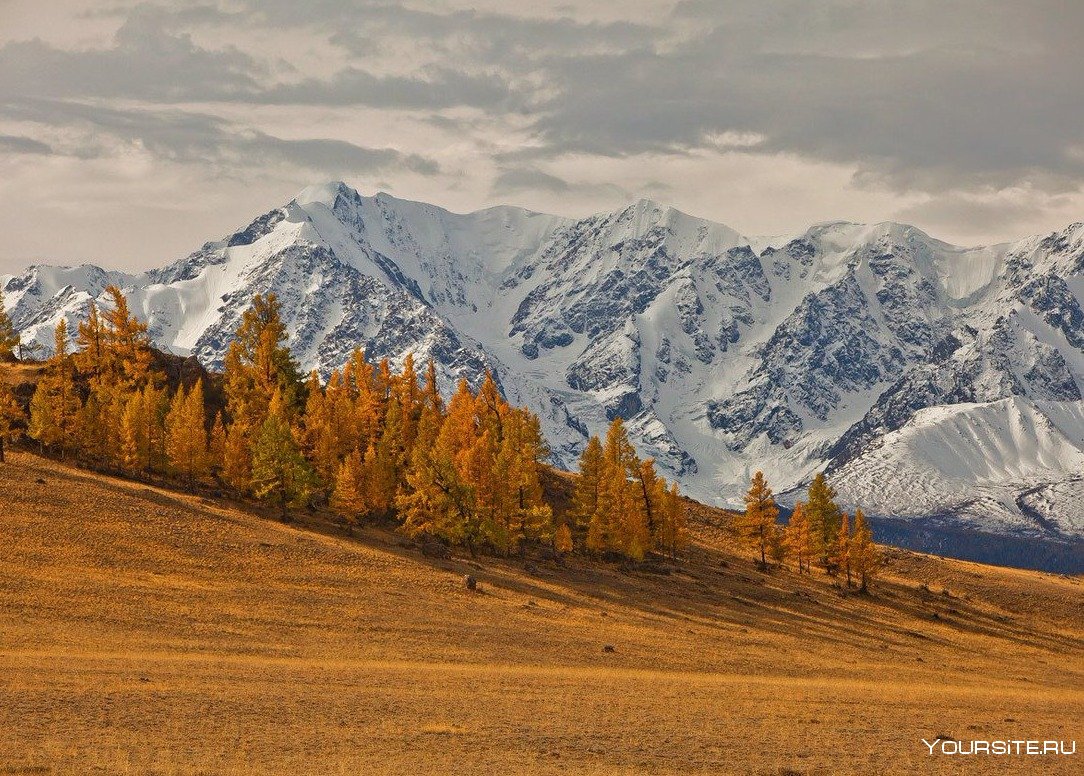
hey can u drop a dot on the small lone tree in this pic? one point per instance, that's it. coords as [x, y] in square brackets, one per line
[756, 525]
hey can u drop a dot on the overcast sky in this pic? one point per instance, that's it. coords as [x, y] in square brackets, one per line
[130, 133]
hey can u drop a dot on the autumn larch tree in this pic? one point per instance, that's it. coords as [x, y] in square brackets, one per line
[9, 338]
[756, 525]
[672, 530]
[841, 548]
[798, 538]
[12, 417]
[562, 539]
[585, 496]
[349, 497]
[824, 518]
[257, 365]
[280, 473]
[186, 434]
[55, 405]
[619, 524]
[866, 558]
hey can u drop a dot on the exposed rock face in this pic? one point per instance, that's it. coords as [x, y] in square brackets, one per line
[724, 354]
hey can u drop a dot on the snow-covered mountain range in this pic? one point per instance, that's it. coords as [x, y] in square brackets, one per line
[929, 380]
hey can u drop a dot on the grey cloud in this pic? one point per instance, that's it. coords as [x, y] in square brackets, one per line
[436, 88]
[528, 179]
[199, 138]
[16, 144]
[146, 62]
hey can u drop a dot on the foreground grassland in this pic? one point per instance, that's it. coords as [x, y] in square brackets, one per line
[145, 631]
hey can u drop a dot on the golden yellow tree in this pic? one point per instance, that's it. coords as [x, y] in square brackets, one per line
[865, 556]
[756, 525]
[798, 537]
[562, 539]
[280, 473]
[186, 434]
[588, 487]
[216, 445]
[619, 524]
[257, 365]
[12, 417]
[350, 495]
[55, 406]
[841, 548]
[824, 517]
[673, 529]
[9, 338]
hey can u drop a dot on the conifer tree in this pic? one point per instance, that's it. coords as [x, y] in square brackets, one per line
[127, 345]
[91, 342]
[619, 524]
[216, 445]
[349, 497]
[865, 557]
[186, 434]
[237, 459]
[518, 483]
[673, 527]
[585, 497]
[841, 548]
[55, 405]
[824, 518]
[280, 473]
[257, 365]
[9, 338]
[562, 539]
[652, 493]
[756, 525]
[798, 538]
[12, 417]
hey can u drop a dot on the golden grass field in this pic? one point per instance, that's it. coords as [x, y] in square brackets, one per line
[146, 631]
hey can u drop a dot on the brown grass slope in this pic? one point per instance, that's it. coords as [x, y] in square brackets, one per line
[146, 631]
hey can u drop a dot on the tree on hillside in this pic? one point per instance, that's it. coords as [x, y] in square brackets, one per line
[756, 526]
[349, 498]
[186, 434]
[672, 530]
[280, 473]
[798, 537]
[824, 518]
[841, 549]
[562, 539]
[619, 524]
[55, 405]
[12, 417]
[258, 364]
[865, 557]
[143, 432]
[9, 338]
[585, 496]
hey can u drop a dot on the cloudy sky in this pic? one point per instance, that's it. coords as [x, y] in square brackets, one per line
[131, 132]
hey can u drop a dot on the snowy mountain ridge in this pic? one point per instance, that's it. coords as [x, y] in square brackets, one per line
[856, 348]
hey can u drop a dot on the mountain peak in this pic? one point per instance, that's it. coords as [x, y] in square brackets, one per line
[325, 193]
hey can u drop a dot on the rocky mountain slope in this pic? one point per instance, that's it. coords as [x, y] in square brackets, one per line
[874, 351]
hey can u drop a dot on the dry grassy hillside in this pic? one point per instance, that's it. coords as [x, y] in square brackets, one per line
[145, 631]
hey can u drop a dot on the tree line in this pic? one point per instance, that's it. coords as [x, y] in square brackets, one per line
[818, 531]
[369, 442]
